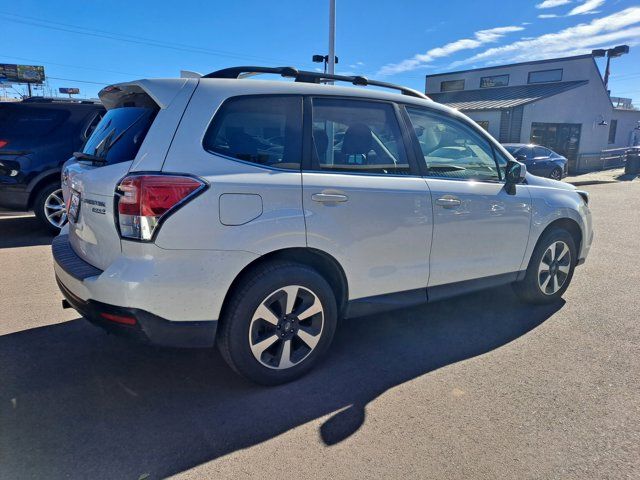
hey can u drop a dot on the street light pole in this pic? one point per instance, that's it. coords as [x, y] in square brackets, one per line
[332, 36]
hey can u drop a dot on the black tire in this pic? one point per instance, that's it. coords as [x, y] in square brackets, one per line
[39, 206]
[556, 174]
[530, 290]
[233, 336]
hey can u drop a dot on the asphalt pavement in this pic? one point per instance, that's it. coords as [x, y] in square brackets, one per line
[480, 386]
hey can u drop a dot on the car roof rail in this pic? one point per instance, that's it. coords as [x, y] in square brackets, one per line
[310, 77]
[59, 100]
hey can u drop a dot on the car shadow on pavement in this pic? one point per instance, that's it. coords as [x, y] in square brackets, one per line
[75, 401]
[22, 231]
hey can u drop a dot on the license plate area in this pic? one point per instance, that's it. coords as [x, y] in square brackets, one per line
[74, 206]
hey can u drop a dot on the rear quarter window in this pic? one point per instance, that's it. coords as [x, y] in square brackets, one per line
[263, 130]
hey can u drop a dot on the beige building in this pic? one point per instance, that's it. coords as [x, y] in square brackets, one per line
[561, 103]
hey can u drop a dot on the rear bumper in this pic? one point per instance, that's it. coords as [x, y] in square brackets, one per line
[148, 328]
[72, 273]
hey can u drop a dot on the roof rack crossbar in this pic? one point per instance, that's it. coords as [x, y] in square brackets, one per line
[309, 77]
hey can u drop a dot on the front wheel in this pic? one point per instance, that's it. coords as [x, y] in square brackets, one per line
[550, 269]
[49, 207]
[278, 323]
[556, 174]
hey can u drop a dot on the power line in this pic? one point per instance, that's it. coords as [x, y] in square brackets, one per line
[79, 81]
[46, 62]
[69, 28]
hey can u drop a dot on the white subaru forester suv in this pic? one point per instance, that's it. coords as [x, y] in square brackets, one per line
[256, 214]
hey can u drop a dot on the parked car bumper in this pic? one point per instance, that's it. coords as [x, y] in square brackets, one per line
[138, 297]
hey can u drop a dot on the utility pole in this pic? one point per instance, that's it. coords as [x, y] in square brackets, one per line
[332, 36]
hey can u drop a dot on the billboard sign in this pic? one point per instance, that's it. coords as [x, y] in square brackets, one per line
[70, 91]
[21, 73]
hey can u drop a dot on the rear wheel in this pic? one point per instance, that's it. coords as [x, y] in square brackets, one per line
[278, 323]
[49, 207]
[550, 269]
[556, 174]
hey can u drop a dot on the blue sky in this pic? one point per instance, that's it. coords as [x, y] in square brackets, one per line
[88, 44]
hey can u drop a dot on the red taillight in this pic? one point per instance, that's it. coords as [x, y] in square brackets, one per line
[144, 199]
[3, 143]
[119, 319]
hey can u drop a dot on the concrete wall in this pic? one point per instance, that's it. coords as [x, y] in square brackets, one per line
[582, 105]
[491, 116]
[627, 122]
[575, 69]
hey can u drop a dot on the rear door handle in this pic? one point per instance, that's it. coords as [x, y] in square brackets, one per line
[448, 201]
[329, 197]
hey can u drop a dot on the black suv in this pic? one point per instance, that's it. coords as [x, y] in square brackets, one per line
[37, 135]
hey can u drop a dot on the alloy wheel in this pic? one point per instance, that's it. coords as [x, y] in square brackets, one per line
[54, 209]
[286, 327]
[556, 174]
[554, 268]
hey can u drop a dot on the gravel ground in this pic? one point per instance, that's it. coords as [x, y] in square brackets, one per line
[476, 387]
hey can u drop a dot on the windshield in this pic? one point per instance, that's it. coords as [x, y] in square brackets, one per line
[118, 136]
[512, 149]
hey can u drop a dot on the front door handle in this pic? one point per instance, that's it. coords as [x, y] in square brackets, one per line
[448, 201]
[329, 197]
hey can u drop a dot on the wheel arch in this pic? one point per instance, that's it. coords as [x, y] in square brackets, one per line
[40, 182]
[321, 261]
[568, 224]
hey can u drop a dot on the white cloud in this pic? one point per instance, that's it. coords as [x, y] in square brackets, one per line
[548, 15]
[587, 7]
[579, 39]
[552, 3]
[481, 37]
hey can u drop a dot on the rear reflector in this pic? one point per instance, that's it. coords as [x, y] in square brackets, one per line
[3, 143]
[119, 319]
[145, 199]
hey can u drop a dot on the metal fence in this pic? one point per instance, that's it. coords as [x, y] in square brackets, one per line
[606, 159]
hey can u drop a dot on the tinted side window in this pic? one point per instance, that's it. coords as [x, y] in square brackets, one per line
[21, 121]
[540, 152]
[357, 136]
[452, 149]
[120, 133]
[259, 129]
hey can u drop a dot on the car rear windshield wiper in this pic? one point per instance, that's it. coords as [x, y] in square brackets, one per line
[89, 157]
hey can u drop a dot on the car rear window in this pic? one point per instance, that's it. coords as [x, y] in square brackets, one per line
[120, 133]
[20, 121]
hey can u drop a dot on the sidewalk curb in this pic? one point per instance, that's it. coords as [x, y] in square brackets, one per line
[580, 183]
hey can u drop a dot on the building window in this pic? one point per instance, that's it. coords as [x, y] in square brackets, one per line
[451, 85]
[483, 123]
[544, 76]
[612, 131]
[562, 138]
[494, 81]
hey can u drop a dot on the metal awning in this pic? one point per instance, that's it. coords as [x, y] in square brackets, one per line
[498, 98]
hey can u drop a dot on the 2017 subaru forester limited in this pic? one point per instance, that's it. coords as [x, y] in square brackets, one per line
[256, 214]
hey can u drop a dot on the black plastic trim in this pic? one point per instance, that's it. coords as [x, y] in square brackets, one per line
[149, 328]
[69, 261]
[384, 303]
[448, 290]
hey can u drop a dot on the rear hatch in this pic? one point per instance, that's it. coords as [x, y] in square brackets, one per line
[89, 180]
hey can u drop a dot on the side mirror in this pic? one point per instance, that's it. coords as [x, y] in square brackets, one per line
[514, 173]
[521, 158]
